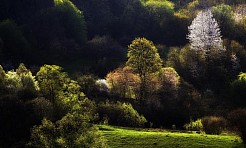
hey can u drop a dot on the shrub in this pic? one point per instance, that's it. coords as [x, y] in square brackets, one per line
[238, 119]
[213, 124]
[194, 125]
[121, 114]
[73, 130]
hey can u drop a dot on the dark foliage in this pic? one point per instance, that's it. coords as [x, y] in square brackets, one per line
[237, 119]
[213, 124]
[15, 122]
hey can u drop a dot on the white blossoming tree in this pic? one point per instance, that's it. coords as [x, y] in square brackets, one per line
[207, 54]
[204, 34]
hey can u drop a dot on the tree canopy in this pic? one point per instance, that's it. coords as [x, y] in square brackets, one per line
[144, 59]
[204, 34]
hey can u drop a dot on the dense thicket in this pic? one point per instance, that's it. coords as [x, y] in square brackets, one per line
[51, 97]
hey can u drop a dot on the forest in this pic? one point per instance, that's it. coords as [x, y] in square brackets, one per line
[68, 67]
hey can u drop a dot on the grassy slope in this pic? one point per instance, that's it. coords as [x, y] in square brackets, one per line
[133, 138]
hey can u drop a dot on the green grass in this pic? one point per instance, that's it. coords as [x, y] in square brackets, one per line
[119, 137]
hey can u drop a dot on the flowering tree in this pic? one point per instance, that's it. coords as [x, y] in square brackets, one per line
[207, 64]
[204, 34]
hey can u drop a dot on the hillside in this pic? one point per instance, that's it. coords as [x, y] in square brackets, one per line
[68, 65]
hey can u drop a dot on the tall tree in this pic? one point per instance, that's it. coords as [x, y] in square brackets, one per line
[208, 66]
[144, 59]
[204, 34]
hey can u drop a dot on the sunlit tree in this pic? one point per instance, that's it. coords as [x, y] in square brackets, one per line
[21, 83]
[144, 59]
[169, 78]
[51, 80]
[123, 82]
[56, 86]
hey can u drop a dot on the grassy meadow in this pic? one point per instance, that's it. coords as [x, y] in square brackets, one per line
[119, 137]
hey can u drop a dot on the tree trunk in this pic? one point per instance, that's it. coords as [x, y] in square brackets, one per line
[142, 89]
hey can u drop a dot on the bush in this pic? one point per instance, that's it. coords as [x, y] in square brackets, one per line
[121, 114]
[237, 119]
[73, 130]
[194, 125]
[213, 124]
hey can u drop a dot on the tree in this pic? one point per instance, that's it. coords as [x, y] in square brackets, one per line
[51, 80]
[238, 119]
[224, 15]
[204, 34]
[160, 14]
[144, 59]
[21, 83]
[238, 88]
[73, 130]
[98, 16]
[104, 54]
[123, 82]
[15, 46]
[72, 20]
[58, 31]
[169, 80]
[164, 83]
[88, 84]
[56, 86]
[208, 68]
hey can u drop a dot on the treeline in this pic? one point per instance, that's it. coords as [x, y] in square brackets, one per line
[88, 35]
